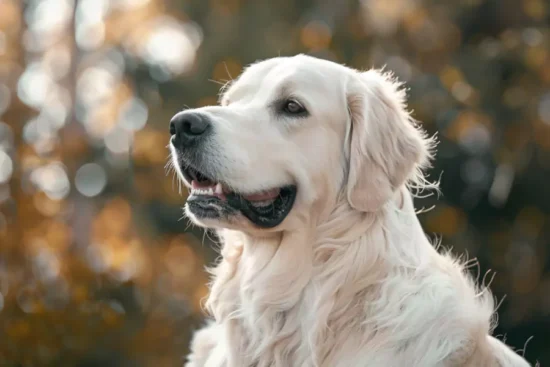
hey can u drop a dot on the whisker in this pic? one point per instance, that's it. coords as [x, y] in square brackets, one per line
[218, 82]
[208, 235]
[189, 224]
[227, 71]
[525, 346]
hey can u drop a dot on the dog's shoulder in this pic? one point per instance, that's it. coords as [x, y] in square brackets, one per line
[433, 313]
[453, 314]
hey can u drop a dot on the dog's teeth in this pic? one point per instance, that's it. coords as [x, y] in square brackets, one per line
[204, 191]
[219, 189]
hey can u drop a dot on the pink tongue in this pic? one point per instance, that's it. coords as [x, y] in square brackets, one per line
[261, 196]
[199, 185]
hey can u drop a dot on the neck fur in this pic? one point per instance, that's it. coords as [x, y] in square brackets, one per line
[299, 284]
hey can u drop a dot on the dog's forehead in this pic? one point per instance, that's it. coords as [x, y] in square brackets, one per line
[296, 66]
[297, 72]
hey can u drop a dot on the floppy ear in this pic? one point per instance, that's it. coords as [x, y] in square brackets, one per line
[386, 146]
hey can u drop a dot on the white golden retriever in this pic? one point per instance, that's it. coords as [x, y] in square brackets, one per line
[306, 171]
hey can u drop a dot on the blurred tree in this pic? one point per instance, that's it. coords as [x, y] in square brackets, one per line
[79, 285]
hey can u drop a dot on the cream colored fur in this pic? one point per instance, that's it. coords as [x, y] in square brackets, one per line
[349, 278]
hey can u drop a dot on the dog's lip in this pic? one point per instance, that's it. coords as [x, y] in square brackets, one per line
[278, 209]
[219, 188]
[266, 208]
[263, 195]
[263, 215]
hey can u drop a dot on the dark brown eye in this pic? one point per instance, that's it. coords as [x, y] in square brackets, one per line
[293, 107]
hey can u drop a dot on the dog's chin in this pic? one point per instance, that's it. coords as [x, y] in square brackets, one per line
[212, 204]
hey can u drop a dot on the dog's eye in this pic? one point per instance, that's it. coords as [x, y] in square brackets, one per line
[293, 107]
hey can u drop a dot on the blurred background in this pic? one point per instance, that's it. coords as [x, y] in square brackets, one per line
[97, 265]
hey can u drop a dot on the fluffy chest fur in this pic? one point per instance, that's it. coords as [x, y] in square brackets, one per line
[342, 295]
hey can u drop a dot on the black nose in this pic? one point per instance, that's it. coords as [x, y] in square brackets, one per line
[188, 127]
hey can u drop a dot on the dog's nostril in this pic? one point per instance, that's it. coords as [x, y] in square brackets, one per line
[186, 128]
[194, 127]
[172, 129]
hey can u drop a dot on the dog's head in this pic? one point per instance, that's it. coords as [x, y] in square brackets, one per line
[292, 132]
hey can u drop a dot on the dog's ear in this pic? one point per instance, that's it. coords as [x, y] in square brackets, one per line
[386, 146]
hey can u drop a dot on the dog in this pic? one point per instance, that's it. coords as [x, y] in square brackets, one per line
[307, 170]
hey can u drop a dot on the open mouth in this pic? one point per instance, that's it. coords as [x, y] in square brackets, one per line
[213, 199]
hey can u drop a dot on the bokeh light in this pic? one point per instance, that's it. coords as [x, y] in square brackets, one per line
[6, 167]
[90, 179]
